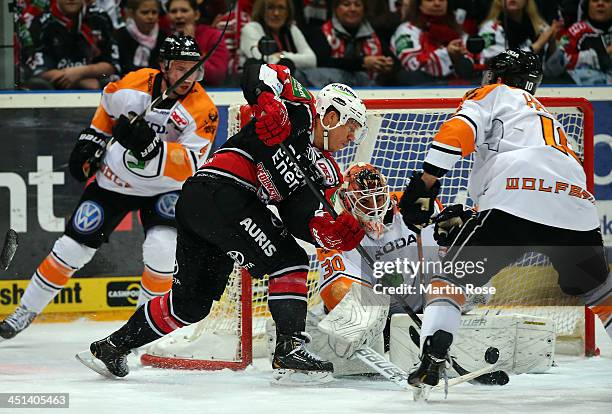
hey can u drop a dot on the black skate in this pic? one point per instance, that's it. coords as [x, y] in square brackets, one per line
[16, 322]
[294, 364]
[105, 358]
[433, 363]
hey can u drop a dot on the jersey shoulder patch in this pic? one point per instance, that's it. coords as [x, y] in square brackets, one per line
[480, 93]
[140, 80]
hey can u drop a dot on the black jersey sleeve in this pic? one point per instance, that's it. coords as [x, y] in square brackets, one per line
[296, 212]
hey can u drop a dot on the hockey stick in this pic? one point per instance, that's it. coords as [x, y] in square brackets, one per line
[157, 101]
[321, 198]
[11, 241]
[364, 254]
[398, 376]
[161, 98]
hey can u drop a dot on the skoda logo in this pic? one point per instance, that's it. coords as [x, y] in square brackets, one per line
[165, 205]
[88, 217]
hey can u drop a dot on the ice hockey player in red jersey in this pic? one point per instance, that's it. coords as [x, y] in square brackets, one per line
[142, 168]
[530, 188]
[222, 217]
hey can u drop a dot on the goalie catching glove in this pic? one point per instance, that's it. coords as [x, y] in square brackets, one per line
[343, 234]
[137, 137]
[417, 202]
[272, 123]
[449, 223]
[87, 154]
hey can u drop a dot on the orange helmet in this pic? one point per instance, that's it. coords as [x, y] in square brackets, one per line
[365, 194]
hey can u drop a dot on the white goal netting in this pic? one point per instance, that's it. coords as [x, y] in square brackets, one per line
[398, 139]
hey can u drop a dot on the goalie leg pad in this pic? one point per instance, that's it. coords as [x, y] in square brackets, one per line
[356, 321]
[525, 343]
[320, 345]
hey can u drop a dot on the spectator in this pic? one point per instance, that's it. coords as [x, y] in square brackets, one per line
[139, 41]
[429, 44]
[585, 48]
[112, 8]
[384, 18]
[273, 19]
[74, 50]
[211, 11]
[348, 49]
[520, 26]
[184, 15]
[314, 12]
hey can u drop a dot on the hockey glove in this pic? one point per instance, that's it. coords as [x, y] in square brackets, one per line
[343, 234]
[87, 154]
[272, 123]
[449, 223]
[417, 202]
[137, 137]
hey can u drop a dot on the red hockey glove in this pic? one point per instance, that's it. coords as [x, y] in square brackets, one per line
[344, 233]
[272, 123]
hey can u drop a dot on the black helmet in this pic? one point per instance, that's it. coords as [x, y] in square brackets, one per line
[515, 67]
[179, 47]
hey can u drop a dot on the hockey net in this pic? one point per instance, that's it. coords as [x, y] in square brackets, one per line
[399, 133]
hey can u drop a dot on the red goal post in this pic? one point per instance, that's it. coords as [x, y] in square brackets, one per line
[242, 311]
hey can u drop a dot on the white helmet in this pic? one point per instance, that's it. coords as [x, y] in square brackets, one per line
[344, 100]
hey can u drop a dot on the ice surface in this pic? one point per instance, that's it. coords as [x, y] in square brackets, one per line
[41, 359]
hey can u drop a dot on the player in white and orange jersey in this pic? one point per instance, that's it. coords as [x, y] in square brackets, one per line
[365, 194]
[530, 187]
[142, 167]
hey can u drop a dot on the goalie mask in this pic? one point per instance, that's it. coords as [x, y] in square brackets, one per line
[365, 194]
[343, 99]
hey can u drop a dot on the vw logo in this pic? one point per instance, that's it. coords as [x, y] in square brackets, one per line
[165, 205]
[88, 217]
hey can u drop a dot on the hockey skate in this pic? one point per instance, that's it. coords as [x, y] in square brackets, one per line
[105, 358]
[434, 362]
[16, 322]
[293, 364]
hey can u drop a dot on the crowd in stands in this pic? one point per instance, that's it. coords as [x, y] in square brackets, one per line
[84, 44]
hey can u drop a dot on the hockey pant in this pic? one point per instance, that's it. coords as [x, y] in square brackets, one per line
[494, 239]
[219, 225]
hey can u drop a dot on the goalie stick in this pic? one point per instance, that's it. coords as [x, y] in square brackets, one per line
[9, 248]
[496, 378]
[399, 377]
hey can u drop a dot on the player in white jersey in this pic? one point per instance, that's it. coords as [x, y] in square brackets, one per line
[142, 167]
[530, 188]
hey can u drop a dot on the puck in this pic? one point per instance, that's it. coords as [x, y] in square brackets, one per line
[492, 355]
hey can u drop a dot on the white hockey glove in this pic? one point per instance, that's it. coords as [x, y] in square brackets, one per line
[357, 320]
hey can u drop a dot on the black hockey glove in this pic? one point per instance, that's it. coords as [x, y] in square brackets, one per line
[87, 154]
[138, 137]
[449, 223]
[417, 202]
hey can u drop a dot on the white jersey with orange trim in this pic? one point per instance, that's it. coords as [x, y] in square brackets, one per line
[523, 165]
[186, 127]
[338, 268]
